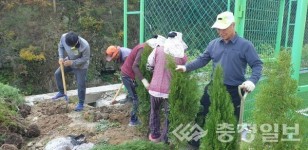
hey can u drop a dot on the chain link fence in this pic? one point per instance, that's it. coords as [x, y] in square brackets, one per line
[261, 25]
[194, 19]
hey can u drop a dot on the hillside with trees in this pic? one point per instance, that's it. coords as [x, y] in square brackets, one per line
[30, 31]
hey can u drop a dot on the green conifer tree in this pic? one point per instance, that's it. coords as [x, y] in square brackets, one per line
[184, 102]
[276, 103]
[142, 92]
[221, 111]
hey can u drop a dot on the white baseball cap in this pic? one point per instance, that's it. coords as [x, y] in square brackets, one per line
[223, 20]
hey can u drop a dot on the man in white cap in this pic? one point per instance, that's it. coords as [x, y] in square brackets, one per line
[233, 53]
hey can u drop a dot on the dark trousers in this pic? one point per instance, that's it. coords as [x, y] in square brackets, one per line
[205, 102]
[156, 103]
[131, 85]
[81, 76]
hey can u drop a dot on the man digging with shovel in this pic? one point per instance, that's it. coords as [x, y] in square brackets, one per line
[130, 71]
[77, 61]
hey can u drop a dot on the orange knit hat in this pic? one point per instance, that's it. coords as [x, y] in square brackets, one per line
[112, 52]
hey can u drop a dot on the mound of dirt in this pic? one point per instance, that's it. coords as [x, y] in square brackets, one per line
[53, 120]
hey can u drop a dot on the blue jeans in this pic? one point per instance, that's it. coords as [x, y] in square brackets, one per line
[131, 85]
[80, 74]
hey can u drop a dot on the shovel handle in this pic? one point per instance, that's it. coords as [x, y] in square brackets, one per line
[116, 95]
[243, 97]
[64, 85]
[63, 77]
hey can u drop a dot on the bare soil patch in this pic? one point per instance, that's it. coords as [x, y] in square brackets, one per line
[53, 120]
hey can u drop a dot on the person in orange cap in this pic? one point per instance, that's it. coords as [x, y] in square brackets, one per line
[117, 53]
[130, 71]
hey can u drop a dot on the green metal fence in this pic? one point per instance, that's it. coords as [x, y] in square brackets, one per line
[193, 18]
[261, 24]
[275, 24]
[269, 24]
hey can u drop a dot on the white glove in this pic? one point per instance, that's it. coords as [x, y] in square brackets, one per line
[248, 86]
[145, 83]
[181, 68]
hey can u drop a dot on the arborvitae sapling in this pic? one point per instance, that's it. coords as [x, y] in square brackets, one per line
[184, 102]
[142, 92]
[221, 112]
[276, 105]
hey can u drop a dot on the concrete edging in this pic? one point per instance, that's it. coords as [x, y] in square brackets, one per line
[92, 94]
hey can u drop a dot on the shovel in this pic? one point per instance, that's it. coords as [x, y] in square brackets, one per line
[64, 86]
[116, 95]
[243, 97]
[240, 122]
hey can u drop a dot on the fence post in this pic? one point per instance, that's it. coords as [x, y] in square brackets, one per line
[141, 29]
[125, 23]
[239, 13]
[141, 21]
[298, 37]
[279, 31]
